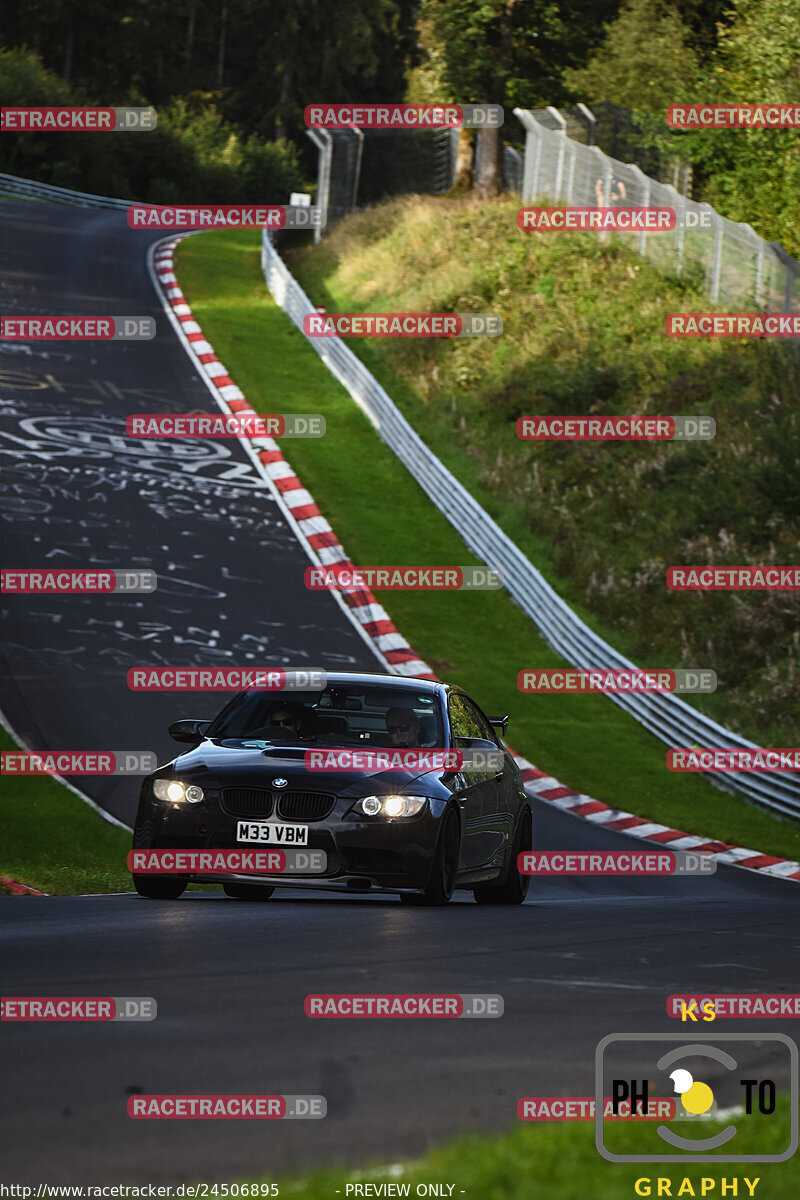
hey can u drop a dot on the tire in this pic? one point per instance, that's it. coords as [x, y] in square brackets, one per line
[444, 867]
[247, 891]
[160, 887]
[515, 887]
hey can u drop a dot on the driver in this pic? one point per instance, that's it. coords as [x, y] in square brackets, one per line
[290, 717]
[402, 725]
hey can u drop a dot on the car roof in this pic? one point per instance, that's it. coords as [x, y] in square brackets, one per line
[372, 678]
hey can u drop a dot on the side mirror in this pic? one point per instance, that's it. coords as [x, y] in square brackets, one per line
[188, 731]
[500, 723]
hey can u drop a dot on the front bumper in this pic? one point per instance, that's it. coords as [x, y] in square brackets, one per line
[376, 852]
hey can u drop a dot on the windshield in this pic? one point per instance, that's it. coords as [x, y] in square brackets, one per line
[364, 714]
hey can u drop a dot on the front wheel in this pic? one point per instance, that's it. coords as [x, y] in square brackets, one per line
[160, 887]
[515, 888]
[247, 891]
[444, 867]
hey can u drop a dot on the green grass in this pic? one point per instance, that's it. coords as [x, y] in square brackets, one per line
[53, 841]
[583, 334]
[559, 1160]
[479, 640]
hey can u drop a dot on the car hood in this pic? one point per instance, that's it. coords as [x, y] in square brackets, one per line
[254, 766]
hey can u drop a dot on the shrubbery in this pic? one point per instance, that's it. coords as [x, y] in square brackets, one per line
[193, 156]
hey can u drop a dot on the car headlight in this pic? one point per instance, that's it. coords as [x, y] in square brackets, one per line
[391, 806]
[177, 792]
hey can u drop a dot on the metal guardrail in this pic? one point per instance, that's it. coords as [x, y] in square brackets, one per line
[28, 188]
[668, 717]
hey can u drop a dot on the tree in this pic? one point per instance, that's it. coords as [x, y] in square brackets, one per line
[513, 53]
[645, 60]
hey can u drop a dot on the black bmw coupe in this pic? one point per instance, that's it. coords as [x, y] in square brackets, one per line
[422, 831]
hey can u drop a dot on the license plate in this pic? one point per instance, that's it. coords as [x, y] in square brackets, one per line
[272, 835]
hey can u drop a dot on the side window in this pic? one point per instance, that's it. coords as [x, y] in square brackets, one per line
[467, 721]
[460, 719]
[485, 730]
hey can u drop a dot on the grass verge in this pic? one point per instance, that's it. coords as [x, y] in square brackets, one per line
[560, 1161]
[479, 640]
[53, 841]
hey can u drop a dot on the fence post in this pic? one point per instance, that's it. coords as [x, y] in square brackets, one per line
[680, 225]
[646, 184]
[324, 143]
[530, 175]
[591, 120]
[605, 166]
[572, 150]
[357, 173]
[716, 268]
[562, 145]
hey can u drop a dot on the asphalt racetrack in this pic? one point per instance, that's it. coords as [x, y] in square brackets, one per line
[581, 959]
[75, 491]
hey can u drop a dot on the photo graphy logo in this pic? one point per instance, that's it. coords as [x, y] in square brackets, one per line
[729, 1077]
